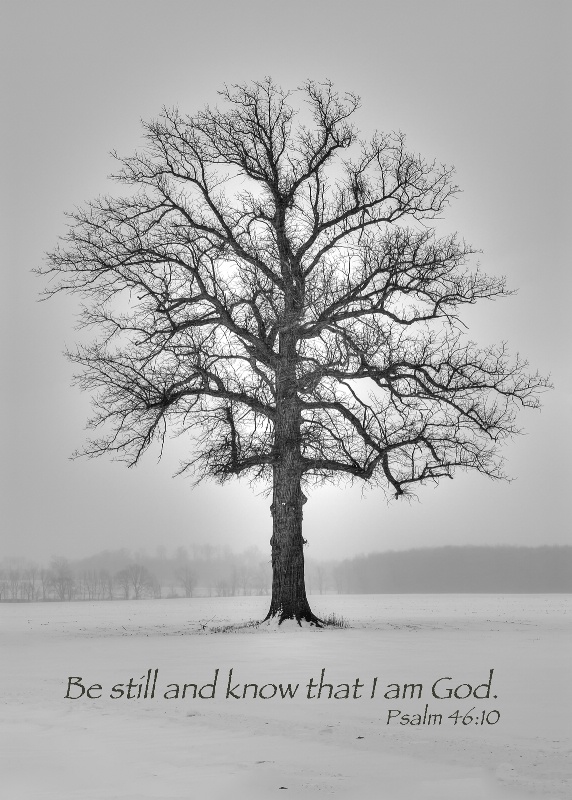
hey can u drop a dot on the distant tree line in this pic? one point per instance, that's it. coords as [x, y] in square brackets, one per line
[214, 571]
[121, 575]
[500, 569]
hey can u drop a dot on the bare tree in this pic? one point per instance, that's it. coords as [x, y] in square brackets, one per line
[14, 581]
[122, 580]
[272, 288]
[46, 581]
[62, 578]
[30, 590]
[186, 577]
[140, 580]
[107, 583]
[320, 578]
[90, 579]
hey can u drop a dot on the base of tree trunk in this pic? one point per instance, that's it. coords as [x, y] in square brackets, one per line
[284, 612]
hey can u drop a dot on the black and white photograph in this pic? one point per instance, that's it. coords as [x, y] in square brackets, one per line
[286, 400]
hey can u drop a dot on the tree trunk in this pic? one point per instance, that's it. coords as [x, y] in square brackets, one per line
[289, 599]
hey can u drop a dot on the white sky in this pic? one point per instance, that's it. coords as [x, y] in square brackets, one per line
[481, 85]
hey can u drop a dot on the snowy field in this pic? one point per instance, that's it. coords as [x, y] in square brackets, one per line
[513, 743]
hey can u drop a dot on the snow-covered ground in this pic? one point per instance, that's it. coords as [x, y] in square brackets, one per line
[58, 748]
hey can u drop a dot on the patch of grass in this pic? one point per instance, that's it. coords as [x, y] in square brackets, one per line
[234, 627]
[335, 621]
[331, 621]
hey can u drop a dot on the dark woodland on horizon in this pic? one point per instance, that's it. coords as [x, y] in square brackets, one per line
[219, 572]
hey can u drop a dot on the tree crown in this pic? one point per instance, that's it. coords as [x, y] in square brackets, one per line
[263, 263]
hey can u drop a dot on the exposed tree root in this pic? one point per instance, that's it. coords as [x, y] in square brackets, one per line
[283, 614]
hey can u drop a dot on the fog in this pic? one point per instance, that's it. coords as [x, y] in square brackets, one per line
[481, 86]
[207, 571]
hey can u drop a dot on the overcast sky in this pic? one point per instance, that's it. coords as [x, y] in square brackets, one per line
[484, 86]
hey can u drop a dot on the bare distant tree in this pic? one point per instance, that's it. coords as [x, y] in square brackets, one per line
[140, 580]
[261, 578]
[14, 581]
[338, 575]
[29, 576]
[107, 582]
[223, 588]
[320, 578]
[123, 581]
[274, 290]
[186, 577]
[62, 578]
[244, 578]
[90, 581]
[45, 582]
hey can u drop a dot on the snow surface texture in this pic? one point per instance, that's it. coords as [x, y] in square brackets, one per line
[53, 748]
